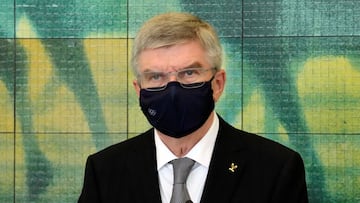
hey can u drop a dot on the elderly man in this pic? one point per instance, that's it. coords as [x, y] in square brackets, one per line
[177, 61]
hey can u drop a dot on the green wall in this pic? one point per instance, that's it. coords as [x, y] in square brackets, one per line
[66, 86]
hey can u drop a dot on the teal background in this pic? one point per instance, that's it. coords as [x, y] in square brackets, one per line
[293, 75]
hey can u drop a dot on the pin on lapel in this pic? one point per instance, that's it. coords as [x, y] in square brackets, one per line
[233, 167]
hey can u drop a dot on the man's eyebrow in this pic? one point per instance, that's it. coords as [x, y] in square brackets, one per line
[193, 65]
[147, 70]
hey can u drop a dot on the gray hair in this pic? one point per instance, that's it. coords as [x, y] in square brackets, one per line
[175, 28]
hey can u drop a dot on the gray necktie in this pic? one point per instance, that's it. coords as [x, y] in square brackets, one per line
[182, 169]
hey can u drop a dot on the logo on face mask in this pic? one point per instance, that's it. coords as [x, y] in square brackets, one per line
[152, 112]
[177, 111]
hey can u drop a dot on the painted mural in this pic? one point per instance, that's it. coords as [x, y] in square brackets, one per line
[293, 75]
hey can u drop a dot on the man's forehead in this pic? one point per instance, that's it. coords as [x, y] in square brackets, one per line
[180, 56]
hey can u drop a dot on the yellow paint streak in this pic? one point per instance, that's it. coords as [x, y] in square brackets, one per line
[65, 111]
[6, 110]
[254, 113]
[40, 68]
[108, 64]
[329, 75]
[329, 90]
[25, 29]
[39, 64]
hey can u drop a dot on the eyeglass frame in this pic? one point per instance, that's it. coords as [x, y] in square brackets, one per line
[176, 73]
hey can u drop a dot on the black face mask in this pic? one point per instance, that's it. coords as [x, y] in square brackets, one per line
[177, 111]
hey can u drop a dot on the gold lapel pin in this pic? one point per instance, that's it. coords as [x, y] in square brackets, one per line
[233, 167]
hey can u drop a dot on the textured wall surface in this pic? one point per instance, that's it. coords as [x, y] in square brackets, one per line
[66, 86]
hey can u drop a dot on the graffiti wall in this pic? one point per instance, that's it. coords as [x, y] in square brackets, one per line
[293, 71]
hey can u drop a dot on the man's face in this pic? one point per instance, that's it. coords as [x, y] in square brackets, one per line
[176, 58]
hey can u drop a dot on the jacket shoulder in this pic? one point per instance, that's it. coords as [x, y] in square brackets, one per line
[252, 142]
[126, 148]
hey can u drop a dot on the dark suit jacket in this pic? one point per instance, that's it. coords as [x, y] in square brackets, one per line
[266, 171]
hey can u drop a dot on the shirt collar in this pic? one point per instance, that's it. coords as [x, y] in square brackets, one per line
[201, 152]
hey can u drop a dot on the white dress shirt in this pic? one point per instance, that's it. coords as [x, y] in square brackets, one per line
[201, 153]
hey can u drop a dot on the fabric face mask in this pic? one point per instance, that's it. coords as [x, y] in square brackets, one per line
[177, 111]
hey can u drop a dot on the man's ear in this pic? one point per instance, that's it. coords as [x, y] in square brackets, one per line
[136, 87]
[218, 84]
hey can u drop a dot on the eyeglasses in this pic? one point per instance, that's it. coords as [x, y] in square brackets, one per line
[188, 78]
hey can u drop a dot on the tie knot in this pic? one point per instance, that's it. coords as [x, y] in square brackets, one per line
[182, 167]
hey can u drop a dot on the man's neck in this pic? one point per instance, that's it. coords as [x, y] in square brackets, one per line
[181, 146]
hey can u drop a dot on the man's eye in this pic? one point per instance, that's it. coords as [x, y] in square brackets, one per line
[190, 72]
[154, 76]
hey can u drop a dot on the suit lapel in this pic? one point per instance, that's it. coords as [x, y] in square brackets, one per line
[147, 175]
[227, 164]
